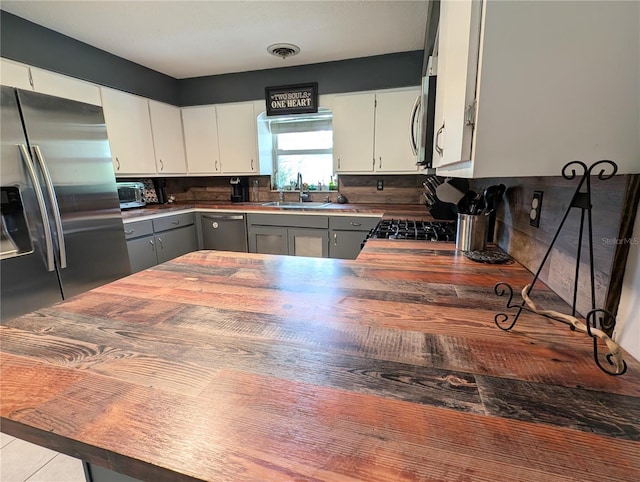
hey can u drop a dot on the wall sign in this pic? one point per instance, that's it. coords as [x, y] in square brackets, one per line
[292, 99]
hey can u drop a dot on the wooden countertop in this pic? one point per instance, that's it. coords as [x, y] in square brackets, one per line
[228, 366]
[384, 210]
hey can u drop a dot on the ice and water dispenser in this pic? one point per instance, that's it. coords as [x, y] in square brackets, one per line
[15, 239]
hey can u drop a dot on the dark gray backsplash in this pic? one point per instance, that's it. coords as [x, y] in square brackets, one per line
[613, 210]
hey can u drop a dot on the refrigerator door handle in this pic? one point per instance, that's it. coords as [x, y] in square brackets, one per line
[41, 204]
[56, 208]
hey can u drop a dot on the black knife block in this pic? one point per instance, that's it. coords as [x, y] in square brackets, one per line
[443, 211]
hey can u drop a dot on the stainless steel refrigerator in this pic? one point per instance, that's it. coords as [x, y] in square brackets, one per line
[62, 230]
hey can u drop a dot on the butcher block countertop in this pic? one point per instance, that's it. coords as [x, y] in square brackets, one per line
[228, 366]
[411, 211]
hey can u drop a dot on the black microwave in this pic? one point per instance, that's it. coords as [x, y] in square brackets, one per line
[131, 194]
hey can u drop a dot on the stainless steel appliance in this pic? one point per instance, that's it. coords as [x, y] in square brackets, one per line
[131, 194]
[422, 119]
[61, 223]
[15, 235]
[225, 232]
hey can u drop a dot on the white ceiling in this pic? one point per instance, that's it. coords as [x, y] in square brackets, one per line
[187, 38]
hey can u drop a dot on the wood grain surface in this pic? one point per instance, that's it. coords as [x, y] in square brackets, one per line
[230, 366]
[396, 211]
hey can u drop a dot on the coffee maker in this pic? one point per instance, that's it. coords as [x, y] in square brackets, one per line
[239, 189]
[160, 186]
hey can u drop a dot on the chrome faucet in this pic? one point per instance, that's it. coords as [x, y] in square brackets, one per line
[299, 181]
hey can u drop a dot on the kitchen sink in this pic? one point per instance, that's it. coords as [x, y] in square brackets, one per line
[296, 205]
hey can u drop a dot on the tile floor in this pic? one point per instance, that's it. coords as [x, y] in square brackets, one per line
[22, 461]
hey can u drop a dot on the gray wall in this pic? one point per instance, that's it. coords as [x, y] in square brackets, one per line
[368, 73]
[32, 44]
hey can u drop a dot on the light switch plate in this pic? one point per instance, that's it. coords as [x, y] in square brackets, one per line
[536, 209]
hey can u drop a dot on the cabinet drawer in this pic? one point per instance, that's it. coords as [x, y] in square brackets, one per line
[353, 223]
[172, 222]
[137, 229]
[289, 220]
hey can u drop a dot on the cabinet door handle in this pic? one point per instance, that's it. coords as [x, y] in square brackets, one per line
[252, 164]
[439, 149]
[117, 163]
[176, 222]
[216, 168]
[161, 165]
[160, 243]
[232, 217]
[380, 165]
[338, 163]
[129, 231]
[335, 239]
[353, 223]
[153, 246]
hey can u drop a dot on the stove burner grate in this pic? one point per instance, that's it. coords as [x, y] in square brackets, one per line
[414, 229]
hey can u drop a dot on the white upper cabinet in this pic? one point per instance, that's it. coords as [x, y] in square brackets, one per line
[353, 128]
[457, 67]
[65, 87]
[237, 138]
[14, 74]
[525, 87]
[201, 140]
[168, 143]
[24, 77]
[392, 148]
[371, 132]
[129, 131]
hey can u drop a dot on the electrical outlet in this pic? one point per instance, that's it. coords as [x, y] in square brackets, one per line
[380, 185]
[536, 209]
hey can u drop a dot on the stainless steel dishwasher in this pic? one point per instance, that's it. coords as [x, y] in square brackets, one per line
[224, 232]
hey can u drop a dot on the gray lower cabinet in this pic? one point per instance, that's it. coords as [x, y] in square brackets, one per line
[346, 234]
[155, 241]
[140, 245]
[308, 242]
[268, 240]
[174, 243]
[142, 253]
[289, 234]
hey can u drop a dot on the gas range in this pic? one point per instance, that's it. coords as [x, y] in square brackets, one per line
[414, 229]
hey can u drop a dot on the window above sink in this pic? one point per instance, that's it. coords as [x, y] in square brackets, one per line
[301, 143]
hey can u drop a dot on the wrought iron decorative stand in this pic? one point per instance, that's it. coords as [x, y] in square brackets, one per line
[581, 200]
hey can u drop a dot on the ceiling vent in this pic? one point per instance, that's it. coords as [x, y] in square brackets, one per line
[283, 50]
